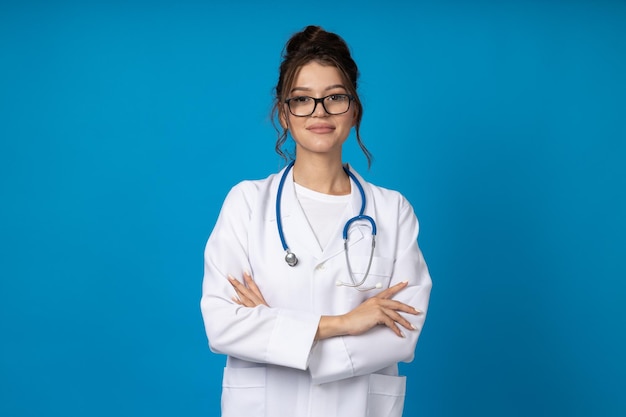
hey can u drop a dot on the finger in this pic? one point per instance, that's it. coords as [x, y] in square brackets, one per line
[244, 300]
[400, 306]
[253, 287]
[244, 294]
[248, 296]
[393, 290]
[389, 322]
[252, 296]
[234, 282]
[239, 287]
[399, 319]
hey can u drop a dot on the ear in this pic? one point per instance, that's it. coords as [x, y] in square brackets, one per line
[282, 118]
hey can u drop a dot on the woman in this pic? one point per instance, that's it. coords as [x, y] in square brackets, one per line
[320, 333]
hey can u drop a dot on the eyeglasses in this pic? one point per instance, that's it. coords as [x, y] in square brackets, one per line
[303, 106]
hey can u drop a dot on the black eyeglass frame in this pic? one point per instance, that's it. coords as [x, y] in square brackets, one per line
[319, 100]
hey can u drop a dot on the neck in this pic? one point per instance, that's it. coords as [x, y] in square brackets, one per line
[322, 175]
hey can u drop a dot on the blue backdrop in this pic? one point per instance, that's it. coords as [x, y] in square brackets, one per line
[124, 124]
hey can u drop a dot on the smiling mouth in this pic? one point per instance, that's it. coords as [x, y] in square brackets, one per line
[321, 128]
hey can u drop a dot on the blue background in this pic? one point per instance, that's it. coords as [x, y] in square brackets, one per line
[123, 125]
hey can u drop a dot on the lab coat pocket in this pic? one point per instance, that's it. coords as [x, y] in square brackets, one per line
[385, 396]
[379, 274]
[243, 392]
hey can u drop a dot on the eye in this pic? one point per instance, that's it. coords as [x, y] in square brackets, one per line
[301, 99]
[338, 97]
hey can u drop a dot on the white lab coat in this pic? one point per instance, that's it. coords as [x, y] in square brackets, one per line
[274, 368]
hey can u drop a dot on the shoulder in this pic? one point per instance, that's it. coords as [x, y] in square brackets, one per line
[386, 193]
[248, 192]
[391, 201]
[382, 195]
[393, 209]
[390, 205]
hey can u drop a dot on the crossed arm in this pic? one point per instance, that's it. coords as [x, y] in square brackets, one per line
[379, 310]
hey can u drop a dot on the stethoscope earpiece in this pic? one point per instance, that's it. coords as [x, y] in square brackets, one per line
[343, 284]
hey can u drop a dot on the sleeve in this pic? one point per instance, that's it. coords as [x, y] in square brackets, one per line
[347, 356]
[261, 334]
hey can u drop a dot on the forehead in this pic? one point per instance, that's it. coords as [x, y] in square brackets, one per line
[316, 76]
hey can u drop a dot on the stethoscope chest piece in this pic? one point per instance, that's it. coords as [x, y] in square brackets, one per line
[291, 259]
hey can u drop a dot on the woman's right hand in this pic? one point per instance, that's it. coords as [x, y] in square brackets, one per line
[379, 310]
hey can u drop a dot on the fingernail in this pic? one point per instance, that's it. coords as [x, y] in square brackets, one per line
[413, 327]
[402, 334]
[405, 282]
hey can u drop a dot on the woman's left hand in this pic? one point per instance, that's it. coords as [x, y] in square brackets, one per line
[248, 294]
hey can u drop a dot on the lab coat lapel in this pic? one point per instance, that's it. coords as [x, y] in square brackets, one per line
[298, 233]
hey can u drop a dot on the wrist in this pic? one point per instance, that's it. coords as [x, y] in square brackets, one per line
[330, 326]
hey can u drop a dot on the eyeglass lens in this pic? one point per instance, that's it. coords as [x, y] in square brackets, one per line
[333, 104]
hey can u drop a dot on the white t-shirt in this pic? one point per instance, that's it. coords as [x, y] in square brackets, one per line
[323, 211]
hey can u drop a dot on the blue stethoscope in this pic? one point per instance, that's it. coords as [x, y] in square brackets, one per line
[292, 259]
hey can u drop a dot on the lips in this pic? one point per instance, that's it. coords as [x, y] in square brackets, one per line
[321, 128]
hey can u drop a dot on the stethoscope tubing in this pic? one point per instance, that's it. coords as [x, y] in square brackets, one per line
[279, 194]
[291, 258]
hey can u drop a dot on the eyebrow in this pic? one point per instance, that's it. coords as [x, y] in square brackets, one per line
[332, 87]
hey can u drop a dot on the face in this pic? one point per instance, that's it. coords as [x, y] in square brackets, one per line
[320, 133]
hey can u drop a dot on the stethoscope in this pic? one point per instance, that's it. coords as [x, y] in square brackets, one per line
[292, 259]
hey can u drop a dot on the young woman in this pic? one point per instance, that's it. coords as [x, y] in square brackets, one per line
[314, 285]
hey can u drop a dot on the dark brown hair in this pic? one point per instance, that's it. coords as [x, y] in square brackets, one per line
[326, 48]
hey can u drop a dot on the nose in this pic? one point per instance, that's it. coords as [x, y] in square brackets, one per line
[319, 110]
